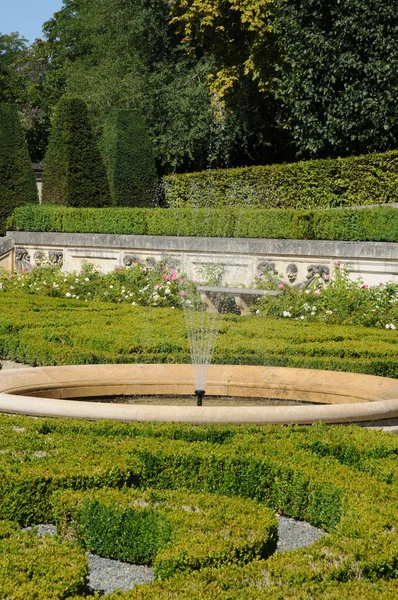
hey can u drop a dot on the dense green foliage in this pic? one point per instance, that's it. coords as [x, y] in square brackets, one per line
[339, 77]
[126, 55]
[373, 224]
[144, 283]
[48, 331]
[342, 479]
[129, 159]
[173, 531]
[31, 567]
[17, 180]
[338, 301]
[370, 179]
[74, 171]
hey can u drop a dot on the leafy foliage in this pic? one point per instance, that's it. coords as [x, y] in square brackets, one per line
[341, 301]
[130, 160]
[367, 224]
[306, 472]
[17, 180]
[339, 80]
[352, 181]
[144, 283]
[74, 172]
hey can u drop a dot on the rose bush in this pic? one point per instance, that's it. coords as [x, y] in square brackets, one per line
[144, 283]
[338, 301]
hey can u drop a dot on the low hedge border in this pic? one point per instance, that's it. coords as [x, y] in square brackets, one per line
[367, 224]
[42, 568]
[352, 181]
[173, 531]
[39, 330]
[274, 465]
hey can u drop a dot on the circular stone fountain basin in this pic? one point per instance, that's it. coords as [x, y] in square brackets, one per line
[60, 392]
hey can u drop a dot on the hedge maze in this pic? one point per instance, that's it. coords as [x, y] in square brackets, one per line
[199, 504]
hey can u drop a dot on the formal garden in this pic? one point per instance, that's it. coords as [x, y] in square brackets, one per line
[231, 120]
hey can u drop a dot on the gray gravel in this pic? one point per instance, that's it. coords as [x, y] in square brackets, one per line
[106, 574]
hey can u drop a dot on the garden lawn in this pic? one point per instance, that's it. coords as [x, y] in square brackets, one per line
[51, 331]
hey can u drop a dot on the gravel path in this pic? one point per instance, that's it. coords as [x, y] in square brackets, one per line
[106, 574]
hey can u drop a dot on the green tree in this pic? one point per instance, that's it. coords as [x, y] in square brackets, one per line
[74, 171]
[11, 47]
[17, 180]
[130, 160]
[339, 82]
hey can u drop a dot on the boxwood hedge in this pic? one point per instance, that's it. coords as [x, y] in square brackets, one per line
[367, 224]
[280, 467]
[173, 530]
[352, 181]
[47, 331]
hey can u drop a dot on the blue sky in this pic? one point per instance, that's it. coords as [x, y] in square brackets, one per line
[26, 16]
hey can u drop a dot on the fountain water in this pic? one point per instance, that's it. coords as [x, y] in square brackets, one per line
[202, 330]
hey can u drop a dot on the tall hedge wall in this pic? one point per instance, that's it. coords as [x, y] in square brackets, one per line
[368, 224]
[130, 160]
[74, 171]
[353, 181]
[17, 180]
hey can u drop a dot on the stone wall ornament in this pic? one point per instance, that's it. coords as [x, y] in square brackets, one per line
[38, 257]
[22, 260]
[129, 259]
[313, 272]
[291, 272]
[56, 258]
[266, 269]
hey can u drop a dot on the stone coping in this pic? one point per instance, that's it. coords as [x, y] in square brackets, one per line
[348, 397]
[241, 246]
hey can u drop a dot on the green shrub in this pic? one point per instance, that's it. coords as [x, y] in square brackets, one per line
[47, 331]
[174, 531]
[74, 171]
[338, 301]
[353, 181]
[368, 224]
[17, 180]
[281, 467]
[130, 160]
[39, 568]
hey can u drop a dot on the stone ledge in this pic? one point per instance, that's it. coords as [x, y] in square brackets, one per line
[327, 248]
[348, 397]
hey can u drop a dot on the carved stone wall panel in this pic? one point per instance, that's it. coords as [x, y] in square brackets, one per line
[241, 261]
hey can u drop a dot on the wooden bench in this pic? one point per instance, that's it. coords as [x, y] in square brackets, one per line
[244, 297]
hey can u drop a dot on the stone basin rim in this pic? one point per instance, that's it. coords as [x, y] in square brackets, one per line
[348, 397]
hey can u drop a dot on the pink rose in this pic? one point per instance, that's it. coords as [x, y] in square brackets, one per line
[281, 286]
[165, 276]
[317, 292]
[337, 263]
[300, 291]
[364, 287]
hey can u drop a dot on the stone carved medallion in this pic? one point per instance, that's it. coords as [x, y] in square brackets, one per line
[56, 258]
[22, 260]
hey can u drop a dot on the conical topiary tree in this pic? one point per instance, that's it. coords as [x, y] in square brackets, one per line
[74, 170]
[129, 159]
[17, 180]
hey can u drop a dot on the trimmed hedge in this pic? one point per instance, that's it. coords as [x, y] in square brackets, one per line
[373, 224]
[74, 171]
[352, 181]
[17, 180]
[39, 568]
[130, 160]
[273, 464]
[174, 531]
[40, 330]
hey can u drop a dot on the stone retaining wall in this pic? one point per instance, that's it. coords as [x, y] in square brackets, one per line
[237, 261]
